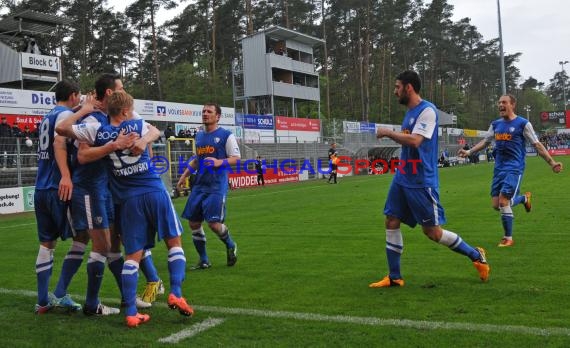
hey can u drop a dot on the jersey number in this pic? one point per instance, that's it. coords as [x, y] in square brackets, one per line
[44, 134]
[124, 159]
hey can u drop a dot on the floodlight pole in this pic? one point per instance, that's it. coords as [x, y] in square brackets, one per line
[503, 81]
[562, 63]
[527, 109]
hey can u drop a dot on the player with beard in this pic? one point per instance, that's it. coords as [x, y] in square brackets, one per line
[413, 197]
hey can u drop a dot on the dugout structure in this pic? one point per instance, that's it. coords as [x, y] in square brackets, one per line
[179, 151]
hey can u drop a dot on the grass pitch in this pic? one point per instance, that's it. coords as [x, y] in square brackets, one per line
[307, 252]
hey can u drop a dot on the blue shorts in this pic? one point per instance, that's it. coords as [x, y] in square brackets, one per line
[205, 206]
[506, 183]
[92, 209]
[415, 205]
[140, 218]
[52, 216]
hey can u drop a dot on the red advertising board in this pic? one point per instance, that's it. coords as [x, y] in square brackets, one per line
[243, 179]
[297, 124]
[559, 152]
[567, 118]
[22, 120]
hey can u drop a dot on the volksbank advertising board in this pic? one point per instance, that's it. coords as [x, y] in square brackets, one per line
[37, 103]
[254, 121]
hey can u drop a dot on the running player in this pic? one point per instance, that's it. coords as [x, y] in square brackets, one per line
[510, 133]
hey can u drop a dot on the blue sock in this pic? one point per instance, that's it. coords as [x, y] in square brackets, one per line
[517, 200]
[130, 276]
[95, 270]
[44, 266]
[199, 240]
[71, 264]
[226, 238]
[148, 268]
[115, 263]
[394, 249]
[176, 268]
[455, 243]
[507, 218]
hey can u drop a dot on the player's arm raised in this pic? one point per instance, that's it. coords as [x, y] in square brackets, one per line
[65, 127]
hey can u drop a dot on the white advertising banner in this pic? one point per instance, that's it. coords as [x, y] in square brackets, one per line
[40, 62]
[383, 125]
[351, 127]
[26, 102]
[16, 101]
[454, 131]
[187, 113]
[256, 136]
[11, 200]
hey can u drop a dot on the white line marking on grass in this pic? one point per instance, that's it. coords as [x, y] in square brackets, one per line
[369, 321]
[405, 323]
[12, 226]
[192, 330]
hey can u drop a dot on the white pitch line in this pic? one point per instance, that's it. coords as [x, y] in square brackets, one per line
[369, 321]
[11, 226]
[192, 330]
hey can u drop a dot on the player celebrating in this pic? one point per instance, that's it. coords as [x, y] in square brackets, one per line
[509, 133]
[216, 150]
[413, 197]
[91, 180]
[52, 194]
[141, 197]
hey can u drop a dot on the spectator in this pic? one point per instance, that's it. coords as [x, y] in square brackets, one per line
[37, 130]
[260, 168]
[466, 147]
[5, 141]
[168, 132]
[28, 152]
[16, 132]
[5, 129]
[489, 153]
[27, 133]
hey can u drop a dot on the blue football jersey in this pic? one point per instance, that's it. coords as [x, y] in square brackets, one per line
[420, 165]
[93, 175]
[48, 175]
[509, 136]
[213, 144]
[129, 175]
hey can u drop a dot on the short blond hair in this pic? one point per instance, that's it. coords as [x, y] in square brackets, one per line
[118, 101]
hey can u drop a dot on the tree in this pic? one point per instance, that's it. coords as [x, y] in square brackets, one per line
[559, 85]
[149, 8]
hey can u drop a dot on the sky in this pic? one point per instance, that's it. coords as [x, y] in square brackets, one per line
[540, 30]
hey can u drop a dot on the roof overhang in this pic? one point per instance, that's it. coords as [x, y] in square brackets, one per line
[281, 33]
